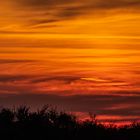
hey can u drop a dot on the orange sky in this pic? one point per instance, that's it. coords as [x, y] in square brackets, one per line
[82, 55]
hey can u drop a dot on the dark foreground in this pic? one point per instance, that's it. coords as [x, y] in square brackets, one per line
[48, 124]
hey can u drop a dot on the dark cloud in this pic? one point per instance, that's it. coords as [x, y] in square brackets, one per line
[69, 12]
[52, 10]
[129, 111]
[46, 21]
[25, 83]
[116, 3]
[98, 104]
[62, 10]
[10, 78]
[36, 78]
[22, 89]
[92, 3]
[18, 32]
[6, 61]
[44, 3]
[66, 79]
[32, 14]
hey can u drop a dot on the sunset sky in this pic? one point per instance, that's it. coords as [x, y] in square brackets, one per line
[81, 55]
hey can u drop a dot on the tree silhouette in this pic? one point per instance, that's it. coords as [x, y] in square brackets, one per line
[22, 113]
[47, 124]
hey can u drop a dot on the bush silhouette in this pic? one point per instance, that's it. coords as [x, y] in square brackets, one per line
[47, 124]
[6, 116]
[22, 113]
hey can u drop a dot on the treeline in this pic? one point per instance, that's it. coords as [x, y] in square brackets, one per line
[49, 124]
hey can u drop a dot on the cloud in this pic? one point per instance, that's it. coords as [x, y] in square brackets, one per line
[66, 79]
[45, 3]
[115, 3]
[63, 84]
[10, 78]
[27, 89]
[98, 104]
[72, 3]
[61, 16]
[50, 11]
[66, 91]
[20, 83]
[54, 11]
[8, 61]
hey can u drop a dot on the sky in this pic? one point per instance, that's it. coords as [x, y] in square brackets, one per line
[80, 55]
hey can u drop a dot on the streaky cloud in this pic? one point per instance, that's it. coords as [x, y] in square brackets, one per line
[63, 10]
[98, 104]
[7, 61]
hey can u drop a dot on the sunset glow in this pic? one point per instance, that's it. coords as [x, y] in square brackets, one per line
[81, 55]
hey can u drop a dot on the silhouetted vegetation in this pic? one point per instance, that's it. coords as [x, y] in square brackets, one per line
[48, 124]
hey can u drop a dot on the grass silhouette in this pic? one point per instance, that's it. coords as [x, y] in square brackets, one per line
[48, 124]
